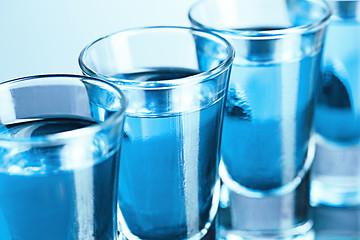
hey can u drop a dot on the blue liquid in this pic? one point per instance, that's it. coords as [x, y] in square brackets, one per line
[168, 171]
[335, 175]
[267, 124]
[265, 151]
[337, 115]
[46, 195]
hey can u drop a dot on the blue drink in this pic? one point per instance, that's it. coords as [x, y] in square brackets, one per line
[266, 140]
[58, 192]
[168, 182]
[336, 174]
[337, 112]
[265, 148]
[176, 80]
[269, 108]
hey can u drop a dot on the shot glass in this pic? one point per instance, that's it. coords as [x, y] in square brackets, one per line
[266, 146]
[60, 138]
[336, 171]
[176, 79]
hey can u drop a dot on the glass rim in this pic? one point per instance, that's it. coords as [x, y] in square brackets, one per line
[266, 34]
[161, 84]
[55, 138]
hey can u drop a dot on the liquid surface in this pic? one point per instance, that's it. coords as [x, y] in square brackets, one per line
[259, 29]
[42, 200]
[158, 74]
[43, 127]
[168, 170]
[158, 101]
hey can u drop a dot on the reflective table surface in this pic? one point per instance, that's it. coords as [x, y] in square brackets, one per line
[329, 224]
[336, 223]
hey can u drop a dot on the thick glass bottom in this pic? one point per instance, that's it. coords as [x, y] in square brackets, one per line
[284, 216]
[336, 223]
[301, 232]
[335, 178]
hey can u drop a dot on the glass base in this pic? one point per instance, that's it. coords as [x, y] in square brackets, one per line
[302, 232]
[281, 217]
[336, 223]
[335, 178]
[210, 235]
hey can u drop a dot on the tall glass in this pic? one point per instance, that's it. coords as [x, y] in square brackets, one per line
[266, 140]
[176, 79]
[60, 138]
[336, 173]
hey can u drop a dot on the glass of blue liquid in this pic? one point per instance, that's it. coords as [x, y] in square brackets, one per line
[60, 138]
[266, 146]
[176, 80]
[336, 172]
